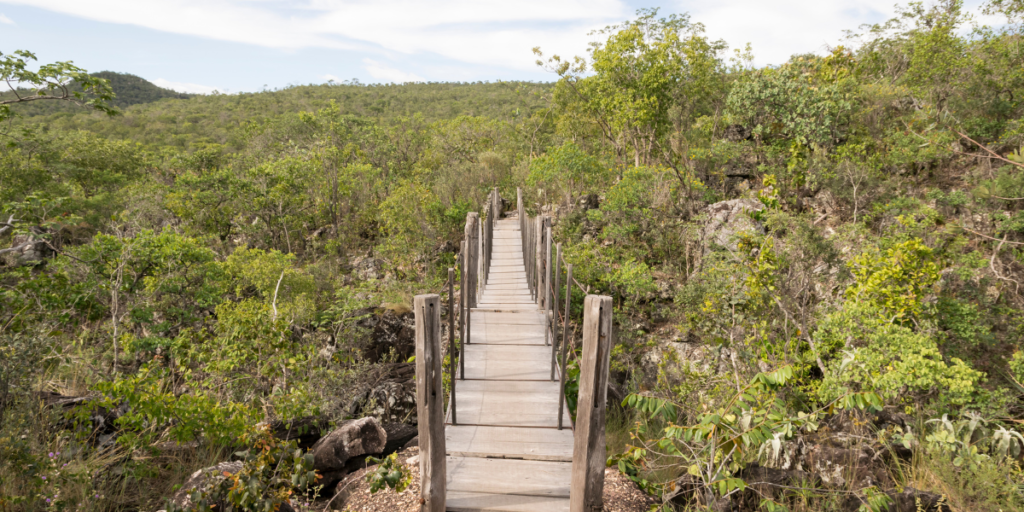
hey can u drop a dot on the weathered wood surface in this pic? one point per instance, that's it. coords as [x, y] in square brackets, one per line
[429, 402]
[504, 476]
[588, 457]
[472, 502]
[509, 442]
[507, 454]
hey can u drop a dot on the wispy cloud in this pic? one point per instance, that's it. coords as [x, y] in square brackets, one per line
[473, 35]
[491, 32]
[187, 87]
[388, 74]
[5, 20]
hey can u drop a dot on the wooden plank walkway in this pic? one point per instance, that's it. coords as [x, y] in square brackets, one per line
[507, 454]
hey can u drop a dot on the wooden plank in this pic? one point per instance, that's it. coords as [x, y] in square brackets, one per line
[511, 370]
[507, 442]
[506, 337]
[486, 317]
[514, 298]
[509, 403]
[502, 355]
[495, 328]
[459, 501]
[521, 286]
[509, 477]
[505, 293]
[508, 306]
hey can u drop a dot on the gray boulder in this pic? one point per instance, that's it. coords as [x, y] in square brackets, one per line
[726, 220]
[353, 438]
[367, 267]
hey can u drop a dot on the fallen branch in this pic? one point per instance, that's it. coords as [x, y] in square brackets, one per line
[994, 239]
[995, 155]
[18, 248]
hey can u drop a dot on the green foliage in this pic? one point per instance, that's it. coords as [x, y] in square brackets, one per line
[272, 472]
[568, 169]
[405, 217]
[896, 280]
[789, 103]
[890, 359]
[748, 426]
[389, 474]
[153, 410]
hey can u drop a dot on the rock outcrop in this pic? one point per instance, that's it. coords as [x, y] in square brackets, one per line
[726, 220]
[392, 329]
[390, 397]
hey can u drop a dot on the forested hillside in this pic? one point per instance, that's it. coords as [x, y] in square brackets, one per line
[816, 268]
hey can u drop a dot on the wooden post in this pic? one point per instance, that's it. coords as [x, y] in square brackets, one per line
[522, 220]
[479, 261]
[538, 247]
[554, 312]
[528, 258]
[429, 402]
[472, 258]
[451, 339]
[588, 453]
[565, 342]
[548, 336]
[463, 313]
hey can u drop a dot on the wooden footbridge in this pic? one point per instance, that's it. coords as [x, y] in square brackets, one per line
[506, 441]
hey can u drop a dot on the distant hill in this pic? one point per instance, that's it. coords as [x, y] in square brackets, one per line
[217, 118]
[133, 90]
[130, 90]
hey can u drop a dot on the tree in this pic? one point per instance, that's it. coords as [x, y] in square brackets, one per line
[570, 169]
[58, 81]
[645, 68]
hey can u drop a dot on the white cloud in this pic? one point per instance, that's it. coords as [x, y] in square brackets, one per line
[5, 20]
[496, 34]
[388, 74]
[331, 78]
[186, 87]
[781, 28]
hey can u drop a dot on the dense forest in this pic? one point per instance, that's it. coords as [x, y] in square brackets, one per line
[816, 266]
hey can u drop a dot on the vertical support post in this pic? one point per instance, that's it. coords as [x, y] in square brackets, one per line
[522, 220]
[480, 239]
[451, 340]
[429, 402]
[554, 312]
[528, 257]
[472, 259]
[463, 314]
[588, 454]
[548, 336]
[538, 247]
[565, 342]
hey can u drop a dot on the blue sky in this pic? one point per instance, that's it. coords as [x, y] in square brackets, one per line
[249, 45]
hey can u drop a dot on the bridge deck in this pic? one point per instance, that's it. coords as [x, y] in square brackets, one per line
[506, 453]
